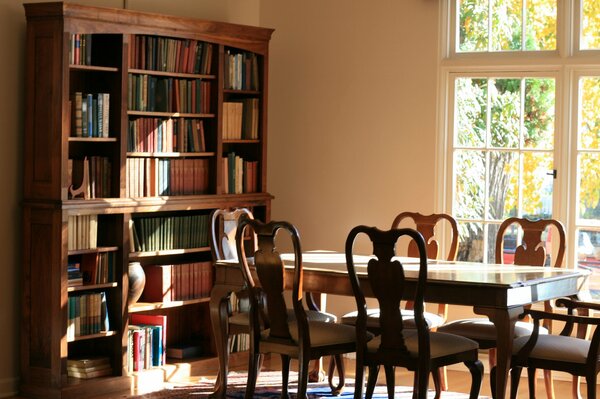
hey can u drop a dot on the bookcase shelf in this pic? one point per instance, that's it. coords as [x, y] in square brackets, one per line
[80, 162]
[172, 74]
[93, 68]
[87, 287]
[170, 154]
[93, 139]
[146, 306]
[169, 114]
[103, 334]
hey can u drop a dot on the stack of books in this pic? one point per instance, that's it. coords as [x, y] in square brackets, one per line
[91, 367]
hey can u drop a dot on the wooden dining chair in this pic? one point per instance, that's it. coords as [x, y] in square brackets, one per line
[564, 352]
[431, 228]
[414, 347]
[532, 251]
[223, 228]
[290, 335]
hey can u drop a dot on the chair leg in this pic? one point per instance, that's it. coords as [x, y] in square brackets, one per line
[590, 380]
[359, 379]
[253, 361]
[515, 377]
[422, 383]
[548, 383]
[531, 381]
[285, 375]
[576, 387]
[303, 361]
[493, 382]
[390, 380]
[316, 373]
[476, 369]
[336, 361]
[371, 381]
[436, 374]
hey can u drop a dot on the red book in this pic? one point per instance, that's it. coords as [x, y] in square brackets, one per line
[159, 284]
[139, 339]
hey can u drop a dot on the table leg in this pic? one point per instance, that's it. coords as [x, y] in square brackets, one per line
[504, 320]
[219, 321]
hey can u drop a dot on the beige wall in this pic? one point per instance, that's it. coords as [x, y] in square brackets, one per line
[352, 114]
[352, 118]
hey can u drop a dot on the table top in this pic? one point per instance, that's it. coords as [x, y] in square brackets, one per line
[460, 283]
[456, 272]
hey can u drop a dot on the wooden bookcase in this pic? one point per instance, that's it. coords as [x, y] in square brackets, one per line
[114, 56]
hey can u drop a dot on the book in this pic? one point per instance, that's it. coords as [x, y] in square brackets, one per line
[86, 362]
[184, 351]
[159, 334]
[89, 374]
[159, 284]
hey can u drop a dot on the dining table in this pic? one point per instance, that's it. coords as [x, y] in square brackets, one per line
[499, 292]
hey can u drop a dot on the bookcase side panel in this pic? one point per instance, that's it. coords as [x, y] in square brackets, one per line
[44, 303]
[44, 119]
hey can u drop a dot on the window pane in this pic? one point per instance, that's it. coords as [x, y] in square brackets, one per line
[473, 25]
[536, 185]
[502, 185]
[471, 111]
[470, 242]
[538, 117]
[589, 186]
[589, 119]
[590, 29]
[588, 256]
[469, 167]
[506, 25]
[541, 25]
[505, 98]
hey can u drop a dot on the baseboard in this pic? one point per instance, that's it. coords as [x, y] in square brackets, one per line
[9, 387]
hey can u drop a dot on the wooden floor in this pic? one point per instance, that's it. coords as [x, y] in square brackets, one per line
[459, 381]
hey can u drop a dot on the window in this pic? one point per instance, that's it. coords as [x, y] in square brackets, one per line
[503, 156]
[522, 132]
[506, 25]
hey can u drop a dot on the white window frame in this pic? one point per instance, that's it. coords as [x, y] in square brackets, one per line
[566, 65]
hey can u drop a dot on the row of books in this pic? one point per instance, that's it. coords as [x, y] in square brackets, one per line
[238, 342]
[165, 94]
[241, 71]
[240, 119]
[82, 232]
[88, 314]
[90, 114]
[179, 282]
[169, 232]
[166, 135]
[93, 172]
[90, 367]
[93, 268]
[239, 176]
[151, 177]
[80, 49]
[171, 55]
[146, 341]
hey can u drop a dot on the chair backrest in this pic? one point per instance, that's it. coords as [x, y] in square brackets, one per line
[426, 225]
[223, 227]
[533, 248]
[272, 279]
[387, 280]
